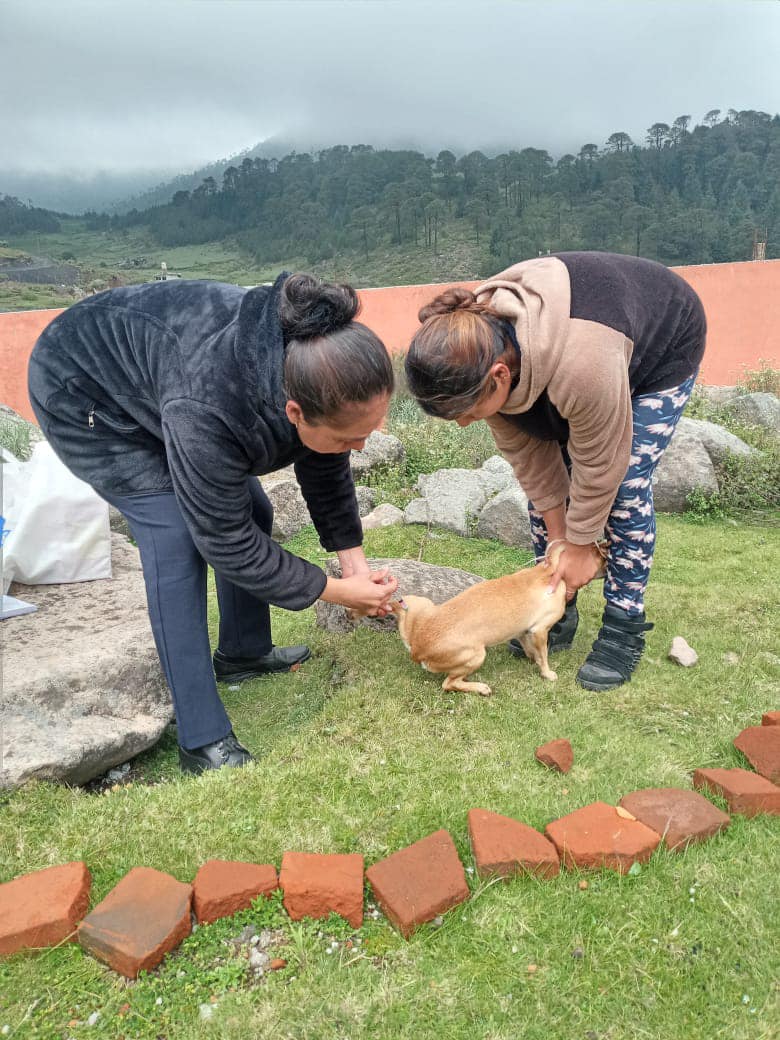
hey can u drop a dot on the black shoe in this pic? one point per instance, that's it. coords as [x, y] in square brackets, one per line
[559, 637]
[280, 659]
[616, 652]
[225, 752]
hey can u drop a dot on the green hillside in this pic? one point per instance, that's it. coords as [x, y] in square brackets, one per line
[684, 195]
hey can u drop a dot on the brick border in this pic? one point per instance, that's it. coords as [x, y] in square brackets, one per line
[413, 885]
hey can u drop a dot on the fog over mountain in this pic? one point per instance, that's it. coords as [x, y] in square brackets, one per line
[111, 98]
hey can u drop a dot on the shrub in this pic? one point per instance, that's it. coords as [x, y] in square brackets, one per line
[15, 437]
[765, 379]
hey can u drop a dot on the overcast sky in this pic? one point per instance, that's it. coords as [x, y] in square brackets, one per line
[173, 84]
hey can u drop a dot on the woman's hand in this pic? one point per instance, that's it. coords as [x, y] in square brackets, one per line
[353, 561]
[577, 565]
[368, 593]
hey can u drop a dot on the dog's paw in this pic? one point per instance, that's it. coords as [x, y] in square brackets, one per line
[483, 689]
[550, 675]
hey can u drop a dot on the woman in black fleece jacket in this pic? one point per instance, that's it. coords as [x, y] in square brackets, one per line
[170, 399]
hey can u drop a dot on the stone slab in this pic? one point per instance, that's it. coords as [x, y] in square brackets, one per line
[681, 817]
[44, 907]
[761, 747]
[144, 917]
[556, 754]
[599, 836]
[318, 884]
[223, 887]
[418, 883]
[746, 793]
[83, 688]
[414, 579]
[504, 847]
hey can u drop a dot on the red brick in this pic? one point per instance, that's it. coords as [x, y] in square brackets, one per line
[222, 887]
[316, 885]
[506, 847]
[770, 718]
[681, 817]
[761, 747]
[557, 754]
[43, 908]
[144, 917]
[598, 836]
[419, 882]
[746, 793]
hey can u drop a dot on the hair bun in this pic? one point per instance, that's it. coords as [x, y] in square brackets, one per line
[309, 307]
[455, 299]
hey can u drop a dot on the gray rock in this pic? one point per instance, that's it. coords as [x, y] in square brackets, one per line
[497, 474]
[717, 440]
[17, 434]
[383, 516]
[290, 511]
[505, 519]
[717, 395]
[381, 450]
[454, 497]
[682, 653]
[757, 410]
[365, 499]
[414, 579]
[417, 512]
[684, 467]
[83, 687]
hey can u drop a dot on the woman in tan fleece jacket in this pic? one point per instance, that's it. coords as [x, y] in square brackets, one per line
[581, 364]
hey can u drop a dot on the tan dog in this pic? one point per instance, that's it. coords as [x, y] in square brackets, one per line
[452, 638]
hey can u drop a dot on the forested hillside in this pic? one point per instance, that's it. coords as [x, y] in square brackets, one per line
[683, 195]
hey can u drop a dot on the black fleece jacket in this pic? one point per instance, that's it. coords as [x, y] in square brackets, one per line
[177, 385]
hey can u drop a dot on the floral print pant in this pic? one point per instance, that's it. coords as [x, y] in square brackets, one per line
[630, 525]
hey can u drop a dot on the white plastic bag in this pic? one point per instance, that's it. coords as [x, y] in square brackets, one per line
[57, 525]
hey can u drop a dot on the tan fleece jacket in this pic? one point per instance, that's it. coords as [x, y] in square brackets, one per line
[583, 365]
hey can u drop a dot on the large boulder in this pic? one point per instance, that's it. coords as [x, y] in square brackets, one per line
[718, 441]
[505, 518]
[454, 498]
[414, 579]
[385, 515]
[684, 467]
[291, 513]
[83, 687]
[759, 409]
[717, 395]
[381, 450]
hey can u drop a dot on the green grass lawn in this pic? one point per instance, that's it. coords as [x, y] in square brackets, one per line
[360, 751]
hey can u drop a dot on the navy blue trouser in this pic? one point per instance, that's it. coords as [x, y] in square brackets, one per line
[175, 577]
[630, 525]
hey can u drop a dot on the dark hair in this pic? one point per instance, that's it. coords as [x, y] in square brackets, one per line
[449, 359]
[331, 360]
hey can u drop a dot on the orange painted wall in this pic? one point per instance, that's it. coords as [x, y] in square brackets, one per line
[741, 302]
[18, 332]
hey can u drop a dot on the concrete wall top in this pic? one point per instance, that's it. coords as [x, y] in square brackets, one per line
[740, 300]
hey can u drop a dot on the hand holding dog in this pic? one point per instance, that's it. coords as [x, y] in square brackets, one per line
[367, 592]
[577, 565]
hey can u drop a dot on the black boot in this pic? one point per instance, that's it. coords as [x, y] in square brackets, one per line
[226, 752]
[560, 635]
[616, 652]
[279, 659]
